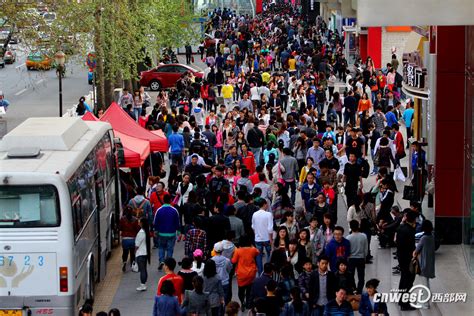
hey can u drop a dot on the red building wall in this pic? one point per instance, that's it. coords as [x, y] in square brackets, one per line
[363, 46]
[450, 107]
[374, 45]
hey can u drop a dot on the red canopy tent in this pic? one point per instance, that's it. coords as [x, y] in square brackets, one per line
[123, 123]
[89, 116]
[135, 150]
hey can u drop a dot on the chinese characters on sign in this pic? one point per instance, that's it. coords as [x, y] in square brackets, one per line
[414, 74]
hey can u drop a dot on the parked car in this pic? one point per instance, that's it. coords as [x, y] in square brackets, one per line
[165, 76]
[10, 56]
[38, 60]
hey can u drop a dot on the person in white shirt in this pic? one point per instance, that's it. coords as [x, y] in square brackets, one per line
[262, 225]
[142, 252]
[254, 93]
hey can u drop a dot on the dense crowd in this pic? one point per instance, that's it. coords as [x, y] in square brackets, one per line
[263, 150]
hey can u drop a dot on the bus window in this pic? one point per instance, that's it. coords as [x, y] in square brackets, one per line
[77, 216]
[99, 193]
[29, 206]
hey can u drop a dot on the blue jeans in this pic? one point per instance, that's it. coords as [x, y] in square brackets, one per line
[137, 112]
[128, 247]
[256, 154]
[177, 158]
[261, 245]
[372, 153]
[166, 247]
[320, 107]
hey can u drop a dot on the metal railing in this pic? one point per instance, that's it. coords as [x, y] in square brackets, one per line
[241, 7]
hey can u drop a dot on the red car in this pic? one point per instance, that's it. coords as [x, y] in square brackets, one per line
[165, 76]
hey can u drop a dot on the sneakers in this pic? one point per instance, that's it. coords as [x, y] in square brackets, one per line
[160, 267]
[141, 288]
[124, 267]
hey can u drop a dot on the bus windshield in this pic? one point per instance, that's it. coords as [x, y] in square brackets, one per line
[29, 206]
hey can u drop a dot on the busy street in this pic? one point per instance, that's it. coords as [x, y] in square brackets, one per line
[261, 158]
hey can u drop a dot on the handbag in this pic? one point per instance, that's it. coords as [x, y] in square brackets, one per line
[409, 192]
[398, 174]
[354, 300]
[134, 266]
[414, 266]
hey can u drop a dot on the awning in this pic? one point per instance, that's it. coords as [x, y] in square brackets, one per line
[123, 123]
[135, 150]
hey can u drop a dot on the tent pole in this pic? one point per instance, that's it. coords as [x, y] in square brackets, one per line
[141, 176]
[151, 165]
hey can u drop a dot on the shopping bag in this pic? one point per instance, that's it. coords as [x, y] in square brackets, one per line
[409, 193]
[134, 267]
[398, 175]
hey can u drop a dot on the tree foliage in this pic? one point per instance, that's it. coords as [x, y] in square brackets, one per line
[121, 32]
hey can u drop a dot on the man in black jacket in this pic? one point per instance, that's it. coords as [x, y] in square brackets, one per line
[350, 105]
[388, 228]
[321, 285]
[219, 224]
[211, 138]
[255, 139]
[405, 247]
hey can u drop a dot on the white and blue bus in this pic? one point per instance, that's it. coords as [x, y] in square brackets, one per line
[59, 202]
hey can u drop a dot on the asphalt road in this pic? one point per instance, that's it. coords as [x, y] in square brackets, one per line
[35, 93]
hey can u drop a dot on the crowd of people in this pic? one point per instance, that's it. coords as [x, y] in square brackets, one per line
[263, 151]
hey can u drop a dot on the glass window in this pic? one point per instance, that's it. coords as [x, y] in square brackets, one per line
[180, 69]
[166, 69]
[29, 206]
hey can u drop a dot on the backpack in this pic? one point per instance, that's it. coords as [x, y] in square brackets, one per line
[365, 168]
[138, 209]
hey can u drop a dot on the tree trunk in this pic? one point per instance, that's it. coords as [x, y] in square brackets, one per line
[109, 92]
[99, 71]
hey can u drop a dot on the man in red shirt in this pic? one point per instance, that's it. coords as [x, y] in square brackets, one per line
[399, 143]
[255, 176]
[177, 280]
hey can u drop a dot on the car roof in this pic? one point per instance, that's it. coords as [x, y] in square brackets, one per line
[182, 65]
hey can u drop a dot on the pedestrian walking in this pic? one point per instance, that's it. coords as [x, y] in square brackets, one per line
[166, 303]
[167, 227]
[246, 270]
[143, 252]
[129, 228]
[425, 250]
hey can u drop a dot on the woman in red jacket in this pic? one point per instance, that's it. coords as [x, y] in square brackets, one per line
[248, 158]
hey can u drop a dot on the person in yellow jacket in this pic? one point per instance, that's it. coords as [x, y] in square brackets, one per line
[227, 91]
[305, 170]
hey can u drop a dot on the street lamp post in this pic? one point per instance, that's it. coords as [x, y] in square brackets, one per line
[60, 59]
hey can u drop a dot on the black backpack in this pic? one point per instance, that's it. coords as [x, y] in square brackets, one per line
[365, 168]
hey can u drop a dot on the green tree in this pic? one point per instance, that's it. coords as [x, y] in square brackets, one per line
[121, 32]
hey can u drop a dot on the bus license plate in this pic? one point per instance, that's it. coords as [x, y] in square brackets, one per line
[11, 312]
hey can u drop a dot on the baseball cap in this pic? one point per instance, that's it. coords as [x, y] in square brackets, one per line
[218, 247]
[198, 253]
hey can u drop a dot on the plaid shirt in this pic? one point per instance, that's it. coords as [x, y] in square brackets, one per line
[195, 239]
